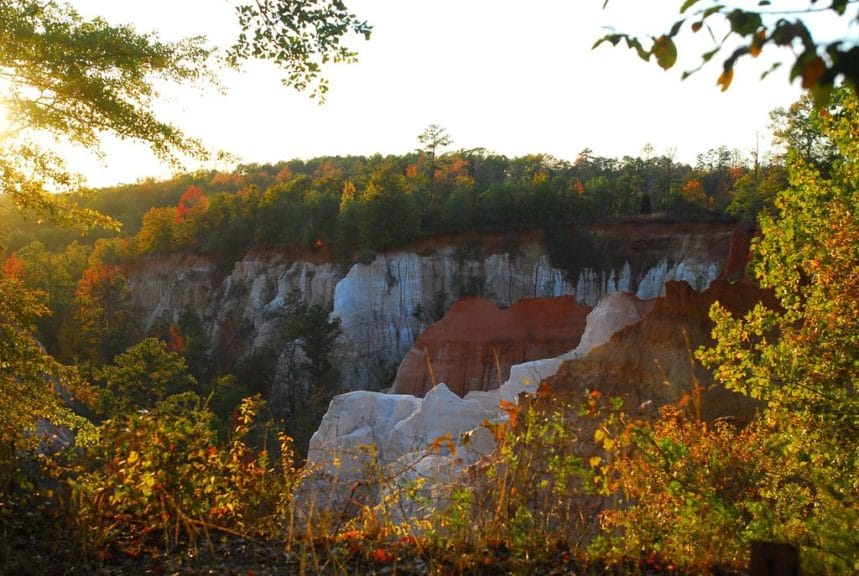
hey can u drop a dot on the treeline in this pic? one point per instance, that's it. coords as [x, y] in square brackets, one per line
[381, 202]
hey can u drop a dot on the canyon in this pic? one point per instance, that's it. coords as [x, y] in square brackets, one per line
[455, 330]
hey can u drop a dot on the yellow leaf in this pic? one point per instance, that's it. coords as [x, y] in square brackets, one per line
[599, 435]
[595, 461]
[133, 456]
[608, 444]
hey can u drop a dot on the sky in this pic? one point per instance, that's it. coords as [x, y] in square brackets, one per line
[513, 77]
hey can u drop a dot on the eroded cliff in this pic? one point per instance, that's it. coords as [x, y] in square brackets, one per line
[388, 299]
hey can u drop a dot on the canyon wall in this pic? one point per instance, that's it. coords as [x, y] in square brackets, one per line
[388, 299]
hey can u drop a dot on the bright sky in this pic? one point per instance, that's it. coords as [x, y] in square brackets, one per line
[514, 77]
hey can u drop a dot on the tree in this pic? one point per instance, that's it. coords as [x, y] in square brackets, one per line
[141, 377]
[801, 356]
[755, 192]
[157, 234]
[101, 324]
[66, 79]
[388, 213]
[31, 384]
[311, 367]
[284, 210]
[820, 65]
[55, 275]
[188, 221]
[433, 138]
[798, 130]
[73, 80]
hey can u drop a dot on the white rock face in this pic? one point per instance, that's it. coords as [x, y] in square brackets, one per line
[353, 421]
[442, 413]
[241, 302]
[697, 274]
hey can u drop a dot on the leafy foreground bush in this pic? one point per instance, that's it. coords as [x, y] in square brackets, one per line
[577, 489]
[160, 478]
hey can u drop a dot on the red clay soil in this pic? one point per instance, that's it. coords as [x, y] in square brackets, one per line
[652, 361]
[476, 340]
[739, 256]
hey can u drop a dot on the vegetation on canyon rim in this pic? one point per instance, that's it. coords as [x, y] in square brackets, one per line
[158, 469]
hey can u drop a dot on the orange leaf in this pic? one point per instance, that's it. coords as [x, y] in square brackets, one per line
[725, 79]
[544, 390]
[382, 556]
[813, 72]
[511, 409]
[758, 43]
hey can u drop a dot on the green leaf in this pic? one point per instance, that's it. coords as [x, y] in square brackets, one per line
[613, 39]
[839, 6]
[770, 70]
[635, 44]
[707, 56]
[665, 52]
[712, 10]
[744, 23]
[688, 4]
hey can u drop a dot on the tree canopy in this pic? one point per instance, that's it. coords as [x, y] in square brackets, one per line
[74, 80]
[69, 79]
[300, 36]
[820, 64]
[801, 356]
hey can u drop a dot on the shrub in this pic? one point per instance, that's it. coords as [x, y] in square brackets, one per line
[161, 476]
[685, 489]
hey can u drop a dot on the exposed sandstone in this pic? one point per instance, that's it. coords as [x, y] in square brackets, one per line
[384, 304]
[614, 311]
[476, 343]
[394, 433]
[652, 362]
[647, 363]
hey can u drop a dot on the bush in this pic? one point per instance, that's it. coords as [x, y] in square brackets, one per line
[160, 476]
[686, 489]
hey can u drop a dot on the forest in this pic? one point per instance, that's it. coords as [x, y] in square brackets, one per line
[382, 202]
[122, 452]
